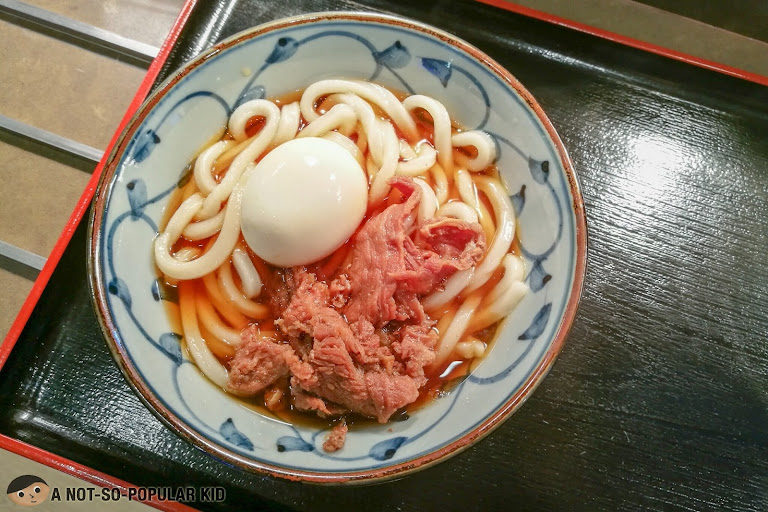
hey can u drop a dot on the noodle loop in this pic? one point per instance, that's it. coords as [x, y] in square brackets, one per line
[374, 93]
[442, 126]
[486, 149]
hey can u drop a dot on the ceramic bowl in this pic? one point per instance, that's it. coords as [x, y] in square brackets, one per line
[192, 106]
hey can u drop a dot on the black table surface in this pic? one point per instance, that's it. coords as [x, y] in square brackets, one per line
[659, 399]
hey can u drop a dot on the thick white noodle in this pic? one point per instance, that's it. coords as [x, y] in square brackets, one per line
[505, 231]
[424, 157]
[368, 121]
[238, 121]
[453, 287]
[473, 278]
[187, 253]
[501, 307]
[470, 349]
[441, 183]
[215, 325]
[249, 276]
[441, 125]
[204, 166]
[455, 329]
[455, 284]
[173, 230]
[288, 125]
[347, 144]
[196, 346]
[466, 188]
[506, 303]
[514, 272]
[406, 151]
[380, 185]
[505, 296]
[458, 210]
[486, 149]
[183, 254]
[374, 93]
[362, 138]
[370, 169]
[258, 144]
[235, 295]
[428, 204]
[341, 117]
[221, 249]
[204, 228]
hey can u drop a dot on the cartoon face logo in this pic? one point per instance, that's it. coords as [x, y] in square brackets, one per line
[28, 490]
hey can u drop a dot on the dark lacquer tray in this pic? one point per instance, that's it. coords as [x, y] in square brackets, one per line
[659, 399]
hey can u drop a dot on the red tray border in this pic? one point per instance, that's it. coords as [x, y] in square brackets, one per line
[629, 41]
[102, 479]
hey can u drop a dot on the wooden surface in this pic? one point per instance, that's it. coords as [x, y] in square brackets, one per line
[659, 399]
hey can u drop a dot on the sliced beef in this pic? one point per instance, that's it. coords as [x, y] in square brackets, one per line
[441, 246]
[310, 313]
[305, 402]
[336, 439]
[378, 257]
[455, 243]
[278, 288]
[336, 377]
[417, 349]
[361, 341]
[390, 269]
[389, 393]
[340, 290]
[258, 363]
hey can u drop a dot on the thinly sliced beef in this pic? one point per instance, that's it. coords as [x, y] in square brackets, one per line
[390, 393]
[258, 363]
[310, 313]
[278, 288]
[390, 269]
[417, 349]
[362, 341]
[457, 244]
[336, 438]
[305, 402]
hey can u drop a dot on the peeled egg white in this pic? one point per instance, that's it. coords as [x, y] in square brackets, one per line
[303, 201]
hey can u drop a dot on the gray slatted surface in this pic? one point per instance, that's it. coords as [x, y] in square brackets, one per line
[13, 258]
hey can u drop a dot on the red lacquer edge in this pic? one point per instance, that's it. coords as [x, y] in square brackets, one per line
[628, 41]
[26, 450]
[83, 472]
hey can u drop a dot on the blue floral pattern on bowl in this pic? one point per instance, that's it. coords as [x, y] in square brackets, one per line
[270, 61]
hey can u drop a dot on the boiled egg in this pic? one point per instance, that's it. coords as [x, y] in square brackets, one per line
[303, 200]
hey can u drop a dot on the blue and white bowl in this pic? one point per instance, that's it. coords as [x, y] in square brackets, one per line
[192, 106]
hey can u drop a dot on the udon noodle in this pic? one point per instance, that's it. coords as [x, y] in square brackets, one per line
[221, 281]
